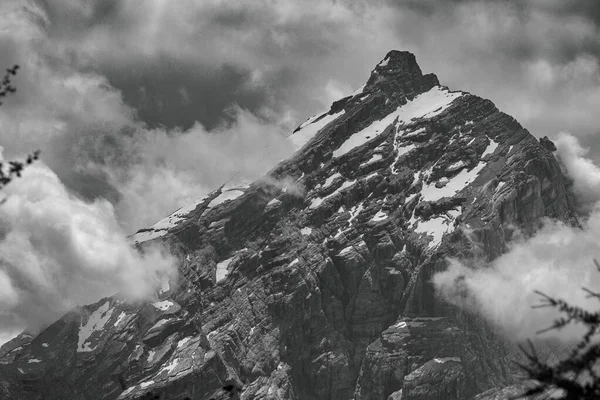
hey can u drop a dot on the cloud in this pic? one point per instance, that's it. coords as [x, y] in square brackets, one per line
[537, 60]
[171, 169]
[58, 251]
[585, 174]
[98, 146]
[557, 260]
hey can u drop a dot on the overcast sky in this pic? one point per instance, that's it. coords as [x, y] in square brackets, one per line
[145, 105]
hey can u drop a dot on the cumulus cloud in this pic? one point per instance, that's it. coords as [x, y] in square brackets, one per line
[557, 260]
[585, 174]
[99, 147]
[58, 251]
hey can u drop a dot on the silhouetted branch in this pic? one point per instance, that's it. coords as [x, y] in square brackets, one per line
[575, 376]
[10, 170]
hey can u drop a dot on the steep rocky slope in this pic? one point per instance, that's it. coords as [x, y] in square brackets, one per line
[314, 282]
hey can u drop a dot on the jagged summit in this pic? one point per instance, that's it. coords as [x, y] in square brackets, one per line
[399, 73]
[315, 281]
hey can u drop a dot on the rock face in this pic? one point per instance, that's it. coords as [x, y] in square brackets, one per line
[315, 282]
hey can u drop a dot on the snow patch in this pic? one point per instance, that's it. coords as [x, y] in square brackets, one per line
[411, 134]
[44, 344]
[148, 234]
[226, 195]
[162, 227]
[345, 250]
[273, 203]
[95, 322]
[183, 341]
[223, 269]
[163, 305]
[171, 366]
[400, 152]
[372, 175]
[446, 359]
[380, 216]
[490, 149]
[454, 185]
[437, 227]
[316, 202]
[146, 384]
[120, 318]
[310, 120]
[384, 63]
[456, 166]
[425, 105]
[306, 231]
[309, 129]
[34, 360]
[331, 179]
[374, 158]
[400, 324]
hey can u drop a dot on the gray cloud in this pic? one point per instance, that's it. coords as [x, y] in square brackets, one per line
[538, 60]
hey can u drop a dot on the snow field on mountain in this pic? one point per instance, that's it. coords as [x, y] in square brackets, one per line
[273, 202]
[230, 191]
[436, 227]
[119, 319]
[425, 105]
[458, 182]
[384, 63]
[96, 322]
[222, 269]
[163, 305]
[331, 179]
[224, 196]
[306, 231]
[309, 129]
[374, 158]
[446, 359]
[317, 201]
[454, 185]
[490, 149]
[379, 216]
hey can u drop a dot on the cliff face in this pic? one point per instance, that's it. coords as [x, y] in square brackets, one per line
[315, 282]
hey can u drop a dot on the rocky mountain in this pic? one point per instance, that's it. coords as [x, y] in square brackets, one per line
[314, 282]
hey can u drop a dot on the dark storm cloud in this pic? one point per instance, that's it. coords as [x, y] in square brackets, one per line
[178, 95]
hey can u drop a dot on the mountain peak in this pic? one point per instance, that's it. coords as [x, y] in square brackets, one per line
[331, 253]
[399, 74]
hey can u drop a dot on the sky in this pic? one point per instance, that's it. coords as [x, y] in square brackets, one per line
[140, 106]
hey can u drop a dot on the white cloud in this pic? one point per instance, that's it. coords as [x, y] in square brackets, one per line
[585, 174]
[58, 251]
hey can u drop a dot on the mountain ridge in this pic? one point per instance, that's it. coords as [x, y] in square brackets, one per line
[314, 281]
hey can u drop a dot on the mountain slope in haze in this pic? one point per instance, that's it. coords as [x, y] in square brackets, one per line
[314, 282]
